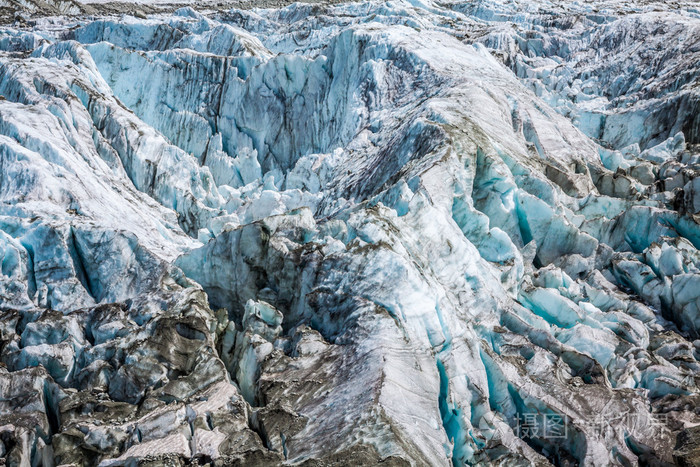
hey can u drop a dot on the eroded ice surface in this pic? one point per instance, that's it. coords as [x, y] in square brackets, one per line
[405, 232]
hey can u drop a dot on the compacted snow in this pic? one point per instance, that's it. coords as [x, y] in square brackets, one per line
[404, 232]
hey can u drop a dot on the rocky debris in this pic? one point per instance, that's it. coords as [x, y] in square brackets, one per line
[687, 449]
[23, 13]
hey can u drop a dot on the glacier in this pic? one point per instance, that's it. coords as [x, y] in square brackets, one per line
[404, 233]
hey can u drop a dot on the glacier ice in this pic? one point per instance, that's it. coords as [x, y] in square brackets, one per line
[405, 232]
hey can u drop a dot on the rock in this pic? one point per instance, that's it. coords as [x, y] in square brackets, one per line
[687, 449]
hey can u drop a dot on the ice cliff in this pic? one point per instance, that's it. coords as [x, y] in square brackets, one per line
[406, 232]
